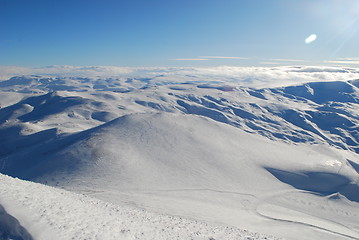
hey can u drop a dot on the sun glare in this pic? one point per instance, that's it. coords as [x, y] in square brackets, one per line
[311, 38]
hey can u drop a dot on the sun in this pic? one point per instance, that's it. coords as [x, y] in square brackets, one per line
[310, 39]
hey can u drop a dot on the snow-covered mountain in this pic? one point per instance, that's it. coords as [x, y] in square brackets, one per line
[281, 161]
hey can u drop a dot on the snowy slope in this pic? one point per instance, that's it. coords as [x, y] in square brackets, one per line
[50, 213]
[167, 151]
[183, 159]
[281, 161]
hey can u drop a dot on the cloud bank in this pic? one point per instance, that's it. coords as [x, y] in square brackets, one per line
[236, 76]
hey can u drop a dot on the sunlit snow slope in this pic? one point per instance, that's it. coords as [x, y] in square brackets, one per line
[280, 161]
[50, 213]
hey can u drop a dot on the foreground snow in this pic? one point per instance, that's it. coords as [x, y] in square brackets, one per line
[50, 213]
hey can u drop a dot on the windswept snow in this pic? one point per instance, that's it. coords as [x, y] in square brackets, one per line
[50, 213]
[192, 143]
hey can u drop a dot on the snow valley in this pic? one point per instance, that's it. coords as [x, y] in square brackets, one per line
[181, 153]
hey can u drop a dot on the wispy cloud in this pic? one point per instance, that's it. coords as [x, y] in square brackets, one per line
[349, 59]
[208, 58]
[269, 63]
[189, 59]
[222, 57]
[286, 60]
[344, 62]
[280, 61]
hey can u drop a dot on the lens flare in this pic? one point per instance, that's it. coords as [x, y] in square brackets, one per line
[311, 38]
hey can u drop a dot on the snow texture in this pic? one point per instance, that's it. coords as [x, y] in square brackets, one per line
[51, 213]
[181, 153]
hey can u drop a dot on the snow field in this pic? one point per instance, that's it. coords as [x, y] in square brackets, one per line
[187, 146]
[50, 213]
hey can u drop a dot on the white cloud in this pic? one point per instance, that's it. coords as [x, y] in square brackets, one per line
[236, 76]
[9, 71]
[269, 63]
[189, 59]
[349, 59]
[222, 57]
[344, 62]
[286, 60]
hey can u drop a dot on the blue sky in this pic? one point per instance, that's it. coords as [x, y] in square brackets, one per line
[178, 32]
